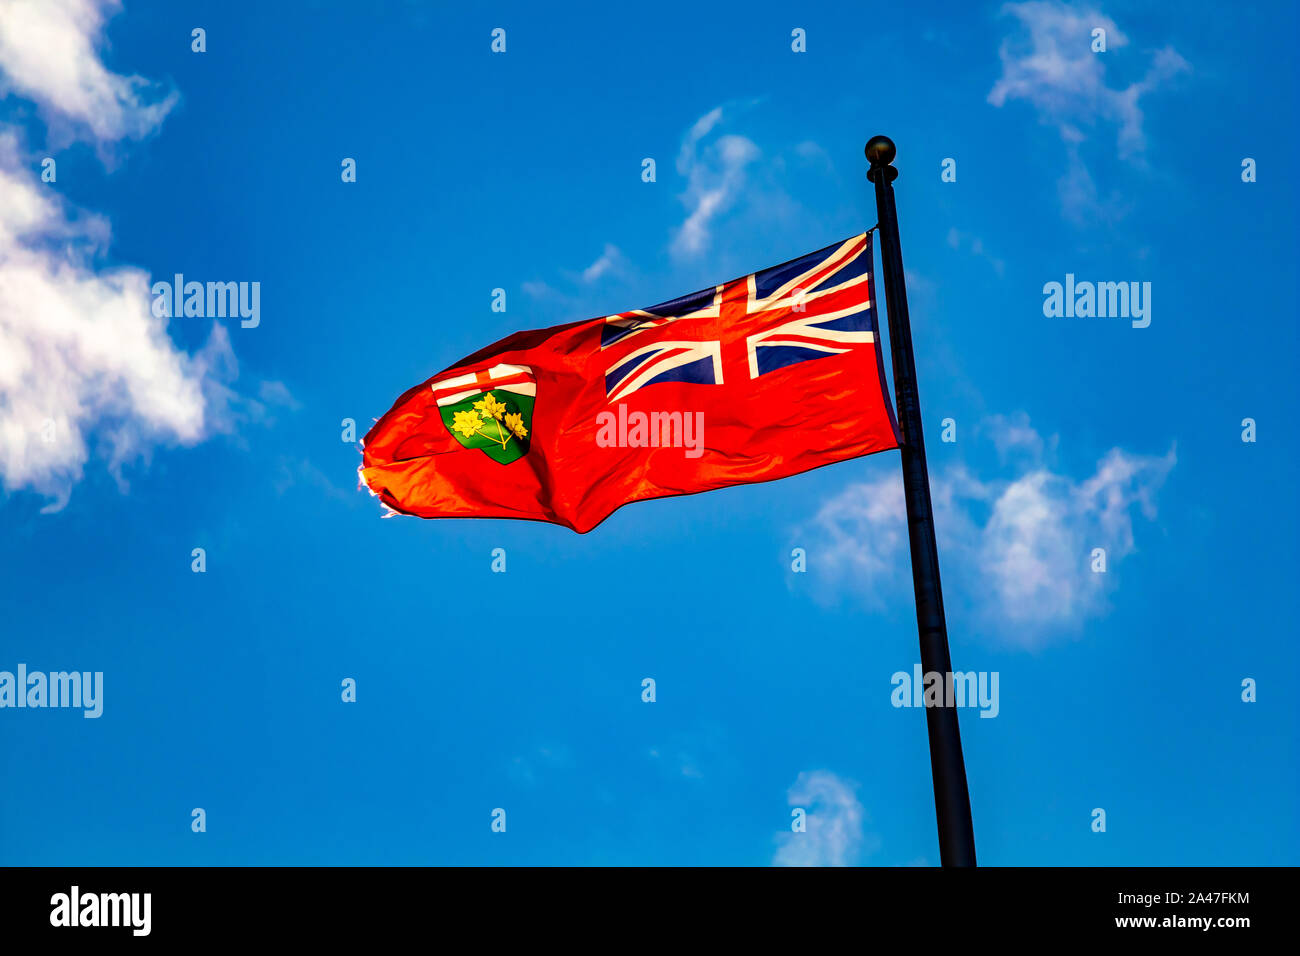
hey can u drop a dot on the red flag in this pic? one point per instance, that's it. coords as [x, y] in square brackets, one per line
[759, 378]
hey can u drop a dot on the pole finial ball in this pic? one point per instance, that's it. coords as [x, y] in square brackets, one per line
[880, 151]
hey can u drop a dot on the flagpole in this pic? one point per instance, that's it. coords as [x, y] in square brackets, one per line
[951, 799]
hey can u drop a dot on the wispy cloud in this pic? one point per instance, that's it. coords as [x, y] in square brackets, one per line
[84, 364]
[834, 822]
[537, 289]
[610, 262]
[568, 290]
[299, 474]
[714, 167]
[48, 55]
[277, 393]
[1049, 63]
[1016, 549]
[1013, 435]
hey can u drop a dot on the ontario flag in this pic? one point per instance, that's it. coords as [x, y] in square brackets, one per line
[755, 379]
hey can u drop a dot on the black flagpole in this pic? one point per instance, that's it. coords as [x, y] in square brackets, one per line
[951, 800]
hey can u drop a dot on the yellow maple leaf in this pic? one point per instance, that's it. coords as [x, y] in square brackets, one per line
[490, 407]
[467, 423]
[515, 422]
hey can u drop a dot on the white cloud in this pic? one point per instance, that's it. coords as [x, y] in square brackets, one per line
[1017, 550]
[85, 367]
[808, 149]
[1013, 435]
[567, 292]
[715, 175]
[1048, 62]
[277, 393]
[81, 351]
[858, 533]
[834, 821]
[47, 54]
[537, 289]
[610, 261]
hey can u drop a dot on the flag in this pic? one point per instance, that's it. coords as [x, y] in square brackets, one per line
[759, 378]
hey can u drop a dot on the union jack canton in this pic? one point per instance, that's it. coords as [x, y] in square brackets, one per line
[806, 309]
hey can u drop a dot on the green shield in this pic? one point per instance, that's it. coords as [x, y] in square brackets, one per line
[491, 433]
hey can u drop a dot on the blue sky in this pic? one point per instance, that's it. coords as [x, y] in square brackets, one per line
[522, 170]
